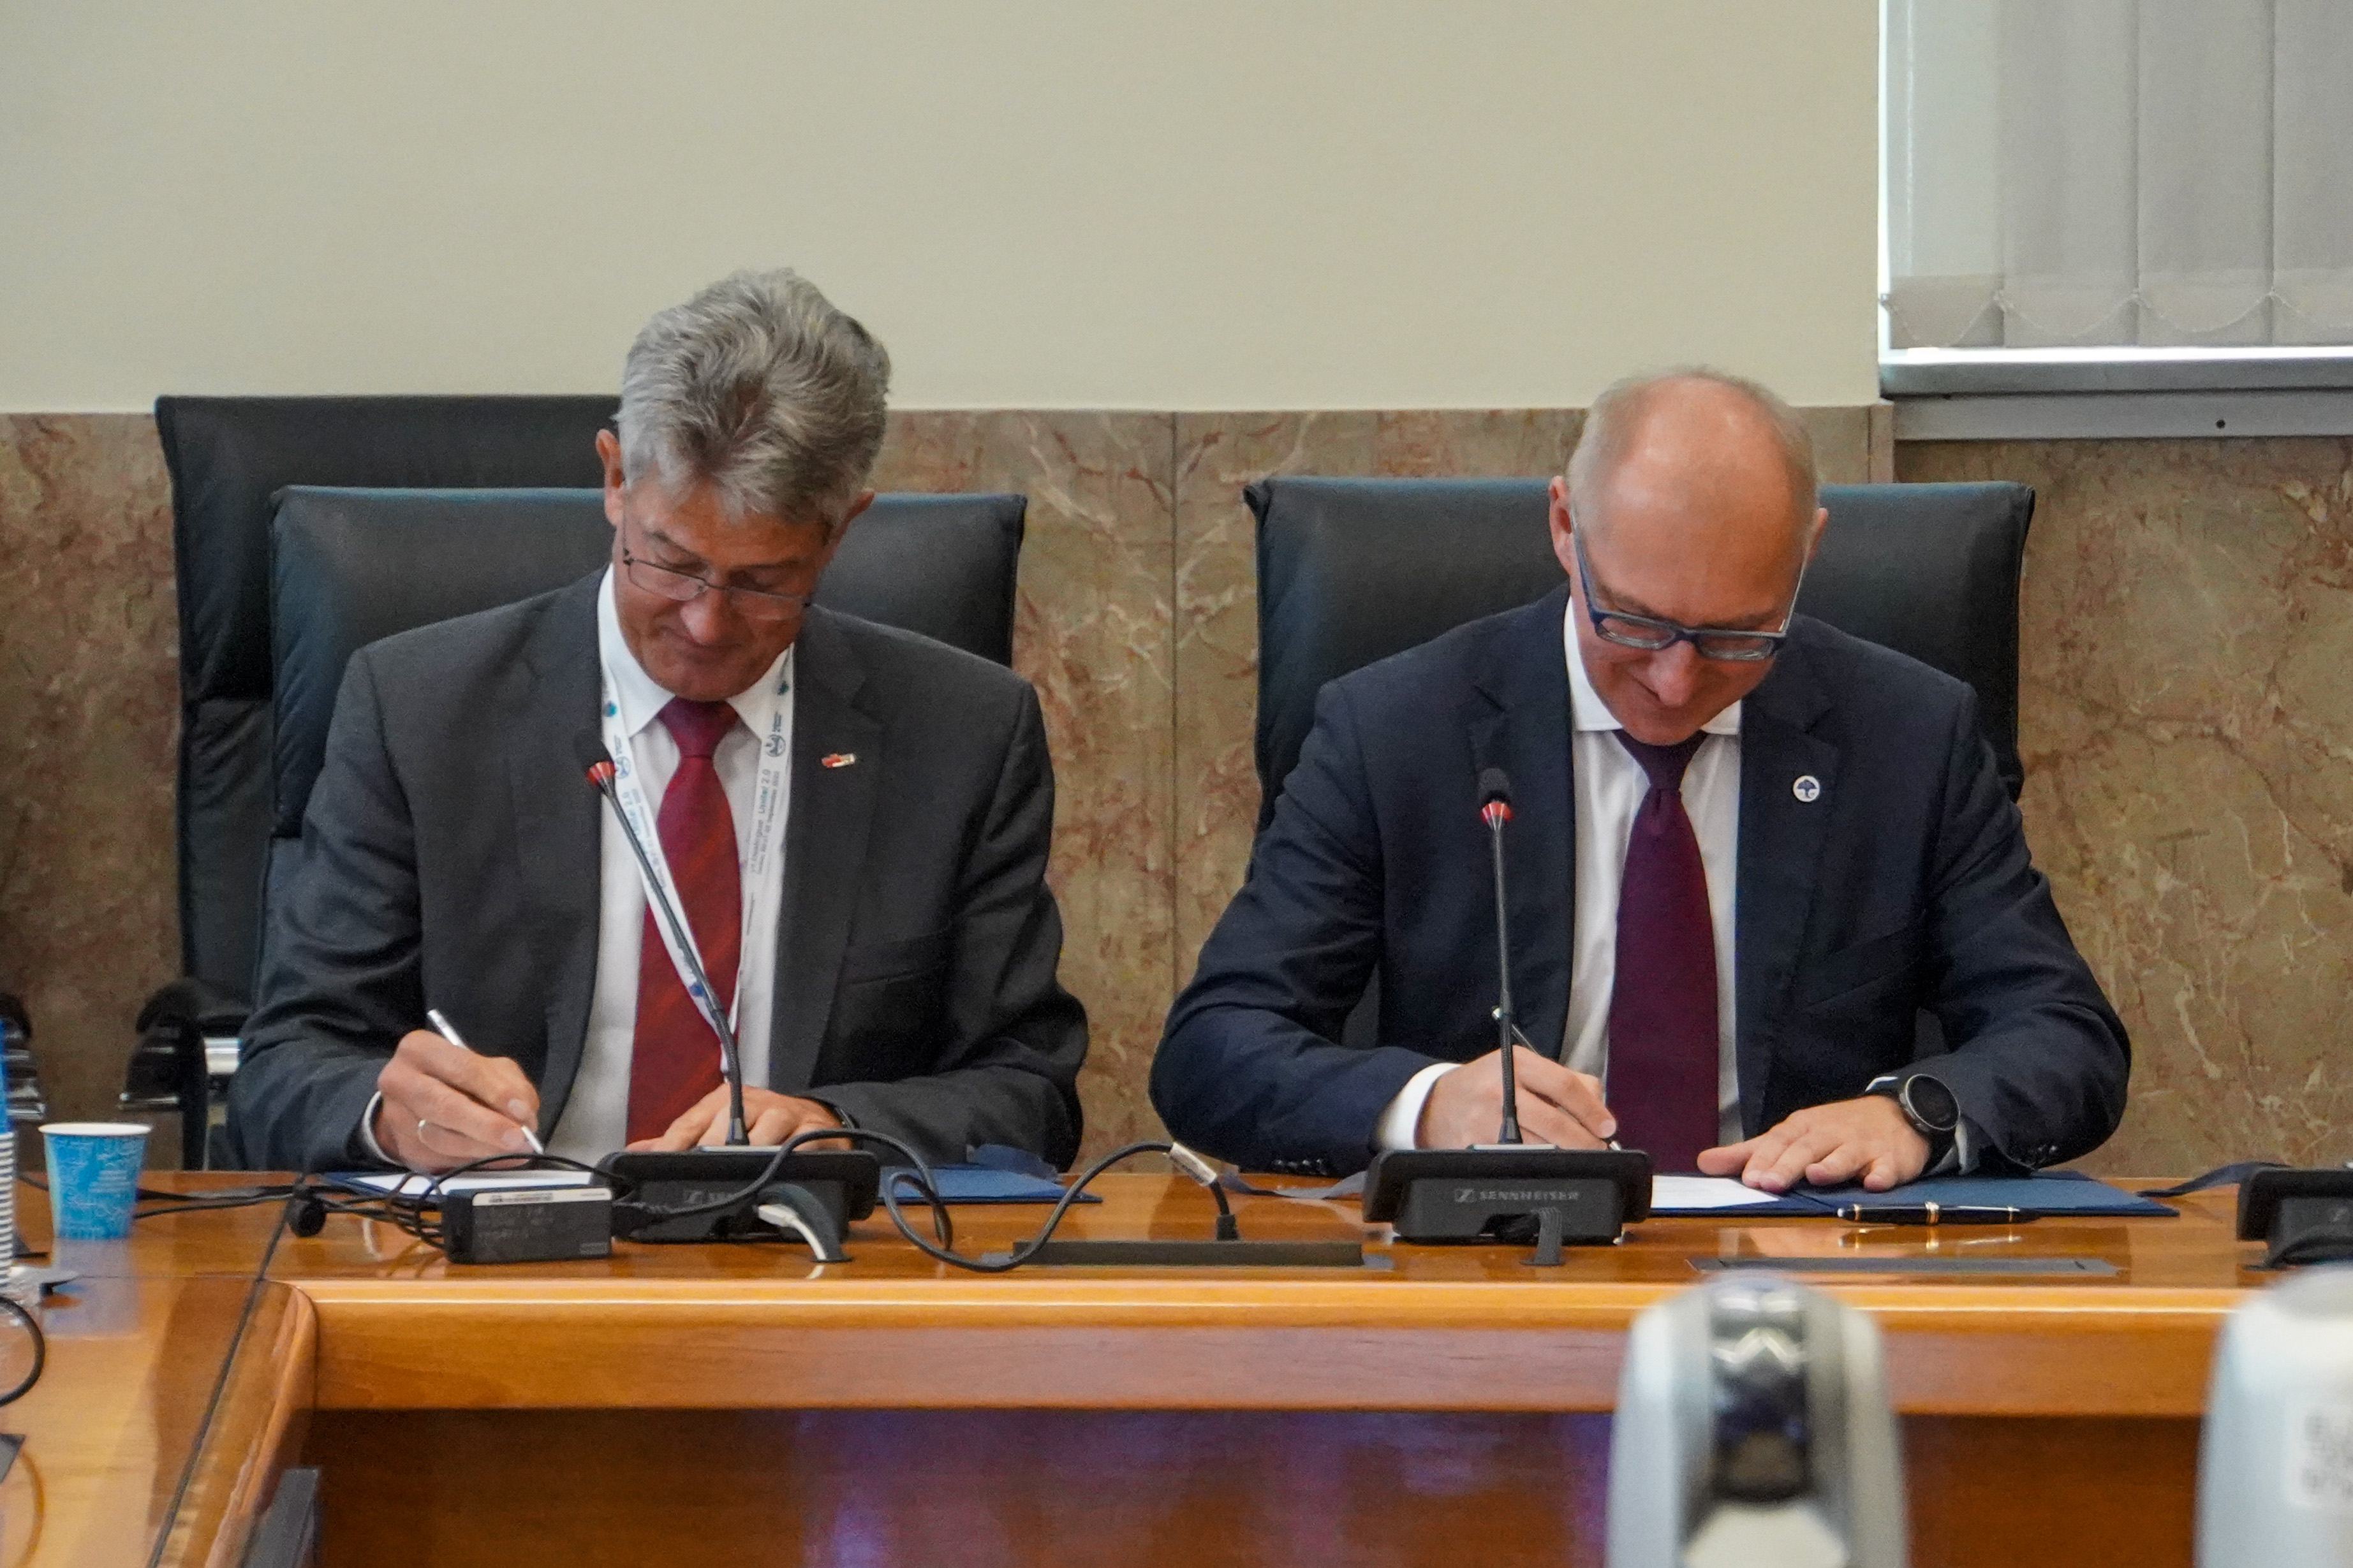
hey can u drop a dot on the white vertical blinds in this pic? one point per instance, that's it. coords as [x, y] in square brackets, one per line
[2085, 172]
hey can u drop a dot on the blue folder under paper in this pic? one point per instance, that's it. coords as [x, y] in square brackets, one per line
[982, 1185]
[2044, 1192]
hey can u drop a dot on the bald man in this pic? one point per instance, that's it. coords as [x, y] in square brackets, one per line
[1773, 914]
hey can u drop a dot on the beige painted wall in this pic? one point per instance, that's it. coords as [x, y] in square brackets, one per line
[1042, 204]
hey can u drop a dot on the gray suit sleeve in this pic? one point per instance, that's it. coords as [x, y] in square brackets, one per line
[339, 977]
[1007, 1073]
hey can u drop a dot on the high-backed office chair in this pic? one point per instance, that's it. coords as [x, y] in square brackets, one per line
[229, 458]
[27, 1110]
[1350, 571]
[349, 566]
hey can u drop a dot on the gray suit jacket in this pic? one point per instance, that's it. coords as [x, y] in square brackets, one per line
[450, 853]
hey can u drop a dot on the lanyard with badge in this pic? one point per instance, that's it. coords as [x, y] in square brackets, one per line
[762, 891]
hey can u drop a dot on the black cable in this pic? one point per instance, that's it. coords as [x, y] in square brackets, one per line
[158, 1195]
[220, 1198]
[11, 1307]
[1228, 1228]
[641, 1214]
[919, 1171]
[307, 1205]
[1027, 1249]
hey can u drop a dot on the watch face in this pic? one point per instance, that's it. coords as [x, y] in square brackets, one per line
[1930, 1103]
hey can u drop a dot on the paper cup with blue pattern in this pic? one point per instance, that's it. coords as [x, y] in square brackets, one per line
[93, 1176]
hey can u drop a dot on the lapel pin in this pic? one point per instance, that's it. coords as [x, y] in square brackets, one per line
[836, 759]
[1808, 788]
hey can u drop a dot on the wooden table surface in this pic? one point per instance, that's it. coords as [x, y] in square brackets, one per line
[369, 1329]
[1428, 1328]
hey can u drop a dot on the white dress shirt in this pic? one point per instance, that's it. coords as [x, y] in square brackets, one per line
[596, 1114]
[1609, 786]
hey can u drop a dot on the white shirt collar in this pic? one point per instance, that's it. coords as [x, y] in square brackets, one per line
[1586, 708]
[641, 700]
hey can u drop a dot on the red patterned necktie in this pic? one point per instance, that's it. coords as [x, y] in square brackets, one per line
[1662, 1002]
[676, 1059]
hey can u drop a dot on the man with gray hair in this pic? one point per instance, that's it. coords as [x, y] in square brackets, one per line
[1749, 853]
[852, 822]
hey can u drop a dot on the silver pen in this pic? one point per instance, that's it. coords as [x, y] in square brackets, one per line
[448, 1031]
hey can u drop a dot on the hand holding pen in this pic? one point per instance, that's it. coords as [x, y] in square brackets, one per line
[443, 1105]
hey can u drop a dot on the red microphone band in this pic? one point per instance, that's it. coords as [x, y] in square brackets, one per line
[600, 774]
[1495, 810]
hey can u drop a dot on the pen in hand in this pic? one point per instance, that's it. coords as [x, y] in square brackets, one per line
[448, 1031]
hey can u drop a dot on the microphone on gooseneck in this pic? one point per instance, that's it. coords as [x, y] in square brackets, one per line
[1496, 809]
[588, 749]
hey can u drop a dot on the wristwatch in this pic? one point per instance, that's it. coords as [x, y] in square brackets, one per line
[1927, 1104]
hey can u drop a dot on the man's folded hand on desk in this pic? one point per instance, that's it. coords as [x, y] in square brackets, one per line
[441, 1106]
[1864, 1140]
[768, 1117]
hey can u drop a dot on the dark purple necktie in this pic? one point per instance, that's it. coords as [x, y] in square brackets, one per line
[1662, 1024]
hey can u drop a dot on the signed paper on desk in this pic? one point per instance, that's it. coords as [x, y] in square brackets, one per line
[488, 1181]
[1701, 1194]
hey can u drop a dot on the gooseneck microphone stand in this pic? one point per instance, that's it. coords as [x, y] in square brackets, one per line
[1496, 809]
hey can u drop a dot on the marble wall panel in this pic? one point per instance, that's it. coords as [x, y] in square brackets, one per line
[1093, 633]
[2186, 724]
[1216, 794]
[88, 720]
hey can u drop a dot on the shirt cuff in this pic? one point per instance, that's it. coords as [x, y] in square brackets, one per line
[367, 1139]
[1962, 1157]
[1402, 1120]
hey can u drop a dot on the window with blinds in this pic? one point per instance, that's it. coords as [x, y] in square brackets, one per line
[2139, 174]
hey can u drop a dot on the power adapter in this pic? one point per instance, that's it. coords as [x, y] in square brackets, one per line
[534, 1225]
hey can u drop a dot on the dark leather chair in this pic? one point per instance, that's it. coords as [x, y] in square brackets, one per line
[229, 459]
[1350, 571]
[25, 1108]
[353, 566]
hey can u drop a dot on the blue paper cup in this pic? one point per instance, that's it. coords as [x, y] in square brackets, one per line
[93, 1176]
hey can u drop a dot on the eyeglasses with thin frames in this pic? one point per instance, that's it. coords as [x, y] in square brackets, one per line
[684, 587]
[1651, 633]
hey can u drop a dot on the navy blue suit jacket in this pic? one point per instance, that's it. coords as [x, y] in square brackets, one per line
[1905, 886]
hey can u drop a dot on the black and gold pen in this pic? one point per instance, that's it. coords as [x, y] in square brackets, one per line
[1932, 1214]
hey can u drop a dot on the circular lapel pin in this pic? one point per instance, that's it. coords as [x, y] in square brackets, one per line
[1807, 788]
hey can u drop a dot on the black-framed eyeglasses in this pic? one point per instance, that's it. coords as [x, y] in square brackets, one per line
[1651, 633]
[681, 587]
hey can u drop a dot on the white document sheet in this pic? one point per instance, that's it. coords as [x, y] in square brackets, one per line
[483, 1181]
[1694, 1194]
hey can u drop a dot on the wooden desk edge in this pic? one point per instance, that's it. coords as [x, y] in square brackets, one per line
[1083, 1343]
[255, 1432]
